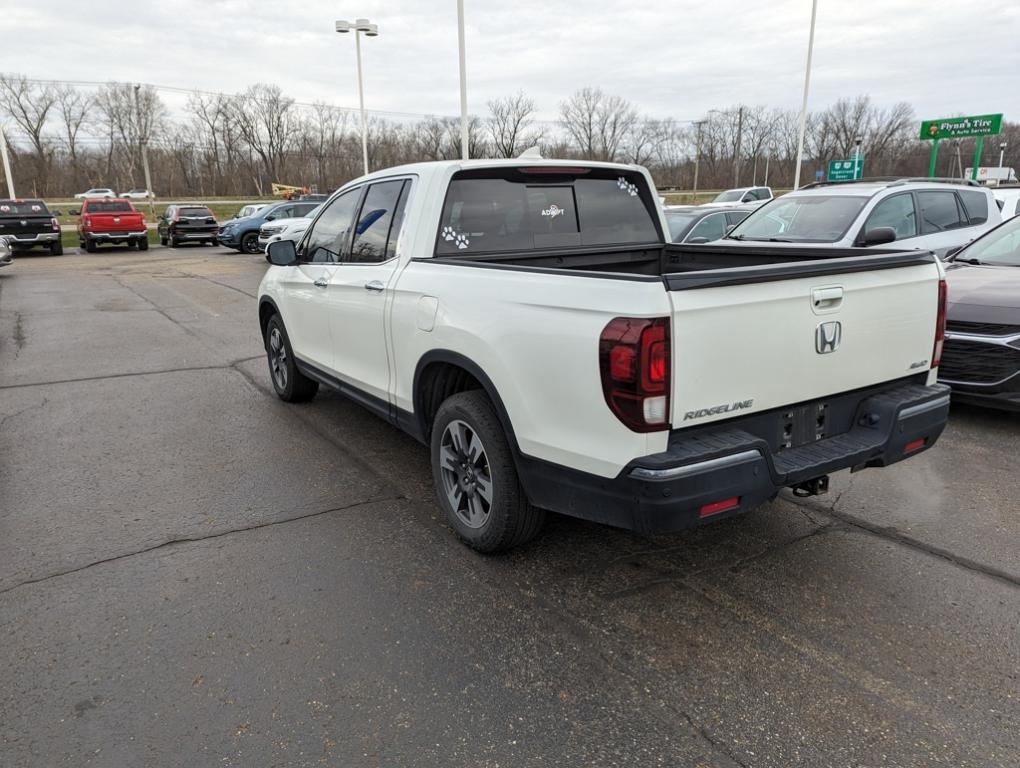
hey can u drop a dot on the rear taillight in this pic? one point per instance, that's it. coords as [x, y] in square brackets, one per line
[940, 325]
[86, 220]
[55, 224]
[634, 363]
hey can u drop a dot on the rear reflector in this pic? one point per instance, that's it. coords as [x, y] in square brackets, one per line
[719, 506]
[914, 445]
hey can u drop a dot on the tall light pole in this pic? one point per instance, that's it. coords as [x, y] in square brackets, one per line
[803, 104]
[736, 155]
[463, 81]
[145, 154]
[370, 30]
[1002, 151]
[7, 165]
[857, 157]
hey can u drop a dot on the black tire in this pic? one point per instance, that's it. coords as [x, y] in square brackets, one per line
[250, 243]
[90, 245]
[470, 451]
[214, 242]
[143, 245]
[172, 241]
[162, 240]
[290, 384]
[56, 248]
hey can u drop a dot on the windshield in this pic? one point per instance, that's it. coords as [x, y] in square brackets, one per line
[729, 196]
[678, 222]
[811, 219]
[1000, 247]
[23, 208]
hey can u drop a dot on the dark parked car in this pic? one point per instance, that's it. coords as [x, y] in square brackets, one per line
[5, 253]
[981, 358]
[696, 224]
[29, 223]
[243, 234]
[187, 223]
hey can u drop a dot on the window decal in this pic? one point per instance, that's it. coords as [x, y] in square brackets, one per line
[553, 211]
[626, 186]
[459, 238]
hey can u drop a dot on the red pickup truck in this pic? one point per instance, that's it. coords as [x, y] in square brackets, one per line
[111, 221]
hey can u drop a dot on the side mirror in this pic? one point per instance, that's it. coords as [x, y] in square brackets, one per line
[281, 253]
[730, 228]
[747, 199]
[879, 236]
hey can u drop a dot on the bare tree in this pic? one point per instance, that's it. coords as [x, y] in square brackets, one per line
[29, 106]
[266, 119]
[74, 108]
[510, 125]
[597, 123]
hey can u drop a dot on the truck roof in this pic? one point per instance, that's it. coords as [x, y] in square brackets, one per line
[436, 167]
[869, 187]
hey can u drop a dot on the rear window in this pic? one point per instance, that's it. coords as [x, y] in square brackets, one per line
[109, 206]
[939, 212]
[976, 205]
[194, 210]
[507, 210]
[23, 208]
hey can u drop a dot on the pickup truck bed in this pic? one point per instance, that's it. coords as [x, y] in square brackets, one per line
[642, 384]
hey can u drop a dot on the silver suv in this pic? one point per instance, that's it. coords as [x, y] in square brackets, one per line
[932, 215]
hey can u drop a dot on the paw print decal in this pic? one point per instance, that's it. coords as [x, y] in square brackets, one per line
[448, 233]
[462, 241]
[626, 186]
[458, 238]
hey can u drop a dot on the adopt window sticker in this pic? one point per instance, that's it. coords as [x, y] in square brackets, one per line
[553, 211]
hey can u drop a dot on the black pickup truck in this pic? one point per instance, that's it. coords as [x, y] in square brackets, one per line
[28, 223]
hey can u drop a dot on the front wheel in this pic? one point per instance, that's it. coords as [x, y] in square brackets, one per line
[476, 478]
[250, 243]
[290, 384]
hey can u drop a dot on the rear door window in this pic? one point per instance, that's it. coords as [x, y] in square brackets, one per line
[976, 205]
[939, 212]
[195, 211]
[711, 228]
[508, 210]
[371, 237]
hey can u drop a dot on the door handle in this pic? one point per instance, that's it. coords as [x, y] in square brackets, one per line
[320, 282]
[827, 298]
[376, 286]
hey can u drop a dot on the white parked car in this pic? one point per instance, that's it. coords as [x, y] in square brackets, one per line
[529, 321]
[912, 213]
[99, 192]
[250, 210]
[1008, 200]
[137, 194]
[752, 195]
[285, 229]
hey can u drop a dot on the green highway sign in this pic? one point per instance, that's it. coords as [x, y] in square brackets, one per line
[961, 127]
[845, 170]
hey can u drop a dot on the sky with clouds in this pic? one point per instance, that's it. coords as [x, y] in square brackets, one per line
[671, 59]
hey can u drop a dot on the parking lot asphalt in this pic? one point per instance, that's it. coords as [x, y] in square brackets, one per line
[193, 573]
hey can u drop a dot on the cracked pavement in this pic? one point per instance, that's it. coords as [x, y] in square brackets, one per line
[194, 573]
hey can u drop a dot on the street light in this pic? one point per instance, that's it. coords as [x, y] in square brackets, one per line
[803, 104]
[370, 30]
[857, 156]
[1002, 151]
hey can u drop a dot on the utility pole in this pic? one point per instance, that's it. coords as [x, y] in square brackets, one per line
[697, 157]
[7, 165]
[803, 103]
[143, 146]
[736, 156]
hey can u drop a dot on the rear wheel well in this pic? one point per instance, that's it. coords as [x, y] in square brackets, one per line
[436, 382]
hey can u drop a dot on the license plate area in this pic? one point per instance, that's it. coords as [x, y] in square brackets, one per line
[802, 425]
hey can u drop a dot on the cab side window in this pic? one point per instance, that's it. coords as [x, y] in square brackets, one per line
[328, 236]
[378, 223]
[896, 212]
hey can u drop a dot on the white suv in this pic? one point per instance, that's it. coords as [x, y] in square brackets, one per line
[914, 213]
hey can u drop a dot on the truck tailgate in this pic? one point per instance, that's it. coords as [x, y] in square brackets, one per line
[128, 221]
[754, 338]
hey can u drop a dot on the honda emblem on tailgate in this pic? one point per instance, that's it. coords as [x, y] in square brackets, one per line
[827, 337]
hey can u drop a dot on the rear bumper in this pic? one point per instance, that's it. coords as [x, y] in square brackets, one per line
[40, 238]
[195, 234]
[712, 473]
[116, 237]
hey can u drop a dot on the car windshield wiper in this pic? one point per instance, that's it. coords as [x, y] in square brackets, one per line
[760, 239]
[965, 260]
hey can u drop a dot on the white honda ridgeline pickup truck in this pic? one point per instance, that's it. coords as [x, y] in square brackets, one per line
[529, 322]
